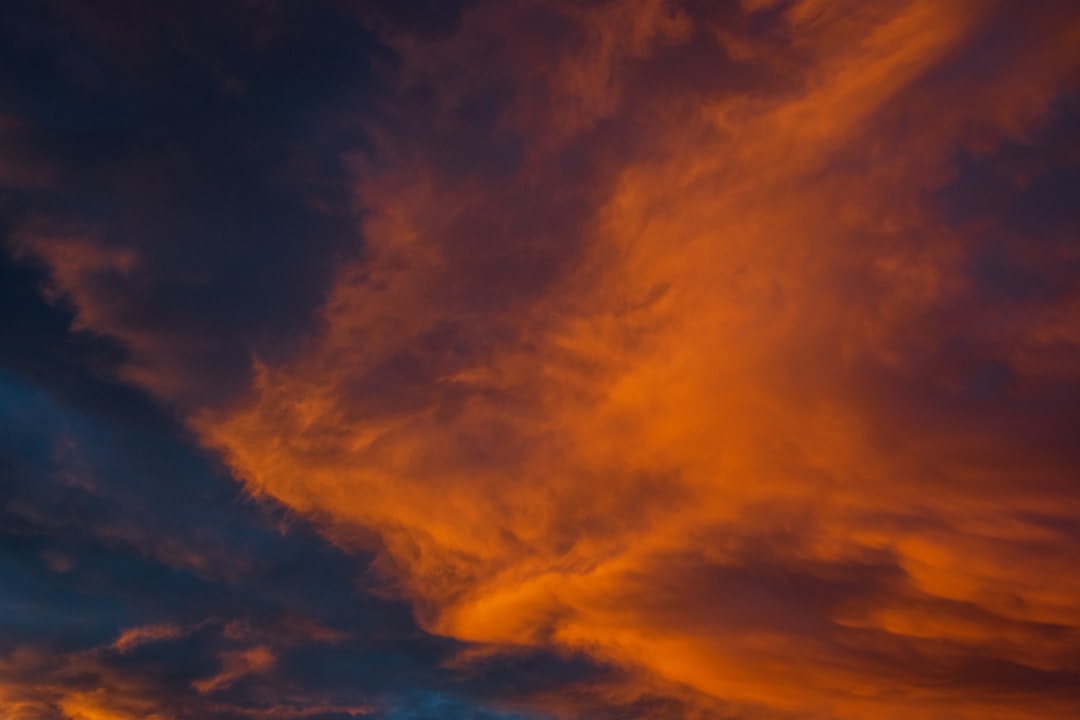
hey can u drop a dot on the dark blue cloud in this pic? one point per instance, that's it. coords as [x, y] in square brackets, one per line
[193, 135]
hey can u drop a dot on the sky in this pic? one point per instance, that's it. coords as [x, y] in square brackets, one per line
[539, 360]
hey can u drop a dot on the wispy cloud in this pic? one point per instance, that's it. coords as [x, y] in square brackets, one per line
[689, 359]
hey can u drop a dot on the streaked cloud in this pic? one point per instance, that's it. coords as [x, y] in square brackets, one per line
[649, 358]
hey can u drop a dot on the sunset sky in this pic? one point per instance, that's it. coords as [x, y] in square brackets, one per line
[539, 359]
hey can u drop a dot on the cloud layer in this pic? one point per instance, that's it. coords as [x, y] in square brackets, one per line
[636, 358]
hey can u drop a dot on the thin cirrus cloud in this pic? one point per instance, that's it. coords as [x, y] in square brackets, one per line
[644, 358]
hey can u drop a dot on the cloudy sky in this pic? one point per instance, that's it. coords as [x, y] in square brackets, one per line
[539, 360]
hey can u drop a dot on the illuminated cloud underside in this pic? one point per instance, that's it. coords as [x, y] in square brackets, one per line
[664, 341]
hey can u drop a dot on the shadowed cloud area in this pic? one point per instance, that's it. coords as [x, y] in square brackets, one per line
[539, 359]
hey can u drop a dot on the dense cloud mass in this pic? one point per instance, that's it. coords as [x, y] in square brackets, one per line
[540, 359]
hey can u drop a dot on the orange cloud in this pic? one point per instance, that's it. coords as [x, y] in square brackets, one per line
[136, 636]
[675, 452]
[666, 370]
[235, 665]
[103, 684]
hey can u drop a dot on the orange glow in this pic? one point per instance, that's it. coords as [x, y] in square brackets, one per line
[596, 468]
[680, 407]
[137, 636]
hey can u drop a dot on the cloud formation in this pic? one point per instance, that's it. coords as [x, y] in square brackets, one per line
[665, 359]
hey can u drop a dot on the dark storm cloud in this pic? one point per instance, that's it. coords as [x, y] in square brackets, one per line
[79, 368]
[191, 135]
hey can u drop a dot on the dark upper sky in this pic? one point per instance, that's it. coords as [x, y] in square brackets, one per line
[522, 359]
